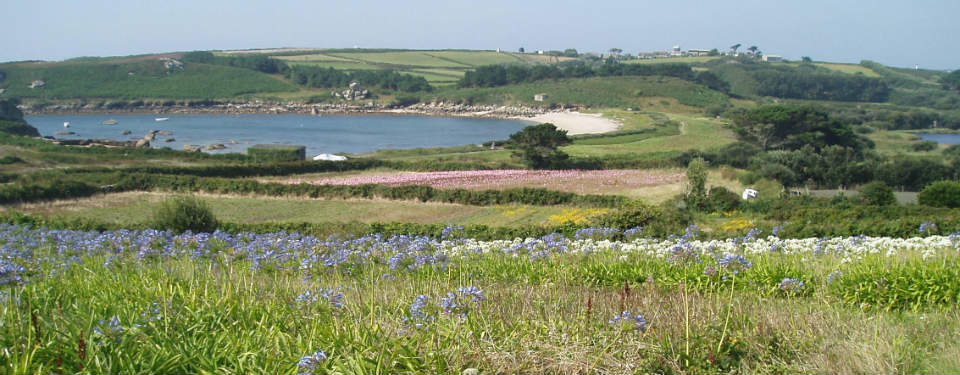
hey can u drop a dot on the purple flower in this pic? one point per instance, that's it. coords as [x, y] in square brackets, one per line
[635, 322]
[308, 364]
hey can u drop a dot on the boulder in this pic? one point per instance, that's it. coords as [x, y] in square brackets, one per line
[217, 146]
[143, 143]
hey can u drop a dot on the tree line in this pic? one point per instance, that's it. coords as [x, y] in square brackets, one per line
[501, 75]
[312, 76]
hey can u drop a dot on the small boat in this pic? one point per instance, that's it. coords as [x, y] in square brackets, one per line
[110, 122]
[66, 124]
[158, 119]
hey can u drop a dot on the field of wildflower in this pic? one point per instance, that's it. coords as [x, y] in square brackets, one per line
[601, 301]
[577, 181]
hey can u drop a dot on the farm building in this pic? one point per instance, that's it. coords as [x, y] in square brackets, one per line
[772, 58]
[698, 52]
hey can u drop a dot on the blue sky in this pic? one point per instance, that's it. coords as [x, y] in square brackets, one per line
[900, 33]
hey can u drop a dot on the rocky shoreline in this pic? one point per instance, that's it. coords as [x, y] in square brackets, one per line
[419, 109]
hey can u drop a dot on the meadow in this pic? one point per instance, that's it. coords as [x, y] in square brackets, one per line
[158, 302]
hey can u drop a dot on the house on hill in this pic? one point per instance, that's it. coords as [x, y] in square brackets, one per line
[772, 58]
[539, 97]
[698, 52]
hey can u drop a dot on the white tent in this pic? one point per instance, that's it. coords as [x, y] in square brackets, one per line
[749, 193]
[330, 157]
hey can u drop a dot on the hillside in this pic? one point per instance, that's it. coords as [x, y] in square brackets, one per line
[125, 79]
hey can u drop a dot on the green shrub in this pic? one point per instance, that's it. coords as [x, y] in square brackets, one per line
[276, 153]
[941, 194]
[877, 193]
[722, 200]
[924, 146]
[185, 213]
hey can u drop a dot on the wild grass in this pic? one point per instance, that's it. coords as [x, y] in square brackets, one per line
[226, 310]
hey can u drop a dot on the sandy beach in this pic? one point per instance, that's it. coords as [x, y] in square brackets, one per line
[575, 122]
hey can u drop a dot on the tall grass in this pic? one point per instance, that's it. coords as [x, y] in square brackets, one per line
[215, 304]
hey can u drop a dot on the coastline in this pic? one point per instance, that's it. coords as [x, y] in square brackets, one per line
[571, 121]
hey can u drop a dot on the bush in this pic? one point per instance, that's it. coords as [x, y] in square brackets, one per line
[276, 153]
[925, 146]
[185, 213]
[941, 194]
[722, 200]
[877, 193]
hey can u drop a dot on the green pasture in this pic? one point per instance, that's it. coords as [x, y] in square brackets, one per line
[602, 92]
[849, 68]
[136, 80]
[685, 132]
[138, 208]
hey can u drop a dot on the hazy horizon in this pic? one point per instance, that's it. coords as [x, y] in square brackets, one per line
[892, 33]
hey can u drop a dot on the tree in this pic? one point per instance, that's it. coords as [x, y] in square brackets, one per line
[735, 47]
[714, 52]
[806, 60]
[521, 50]
[570, 52]
[615, 51]
[538, 146]
[695, 193]
[753, 49]
[951, 81]
[941, 194]
[713, 81]
[877, 193]
[791, 127]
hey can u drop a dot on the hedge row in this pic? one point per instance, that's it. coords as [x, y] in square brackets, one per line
[529, 196]
[322, 230]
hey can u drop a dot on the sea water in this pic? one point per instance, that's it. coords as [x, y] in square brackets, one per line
[320, 134]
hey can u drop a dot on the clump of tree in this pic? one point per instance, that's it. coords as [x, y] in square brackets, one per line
[500, 75]
[259, 62]
[11, 121]
[941, 194]
[538, 146]
[951, 81]
[318, 77]
[788, 127]
[803, 84]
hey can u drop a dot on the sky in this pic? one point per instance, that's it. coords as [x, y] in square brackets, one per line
[903, 33]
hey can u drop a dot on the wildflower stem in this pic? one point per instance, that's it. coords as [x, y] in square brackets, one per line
[726, 320]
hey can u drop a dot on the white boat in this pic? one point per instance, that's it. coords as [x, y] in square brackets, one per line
[158, 119]
[66, 124]
[110, 122]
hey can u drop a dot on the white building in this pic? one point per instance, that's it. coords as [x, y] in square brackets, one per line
[772, 58]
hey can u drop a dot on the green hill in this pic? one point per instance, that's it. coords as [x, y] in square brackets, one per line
[134, 80]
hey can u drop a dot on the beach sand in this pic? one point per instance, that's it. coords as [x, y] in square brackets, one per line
[577, 123]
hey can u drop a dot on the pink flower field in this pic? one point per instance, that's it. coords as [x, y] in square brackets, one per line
[565, 180]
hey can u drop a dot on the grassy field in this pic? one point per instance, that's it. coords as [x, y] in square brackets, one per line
[598, 92]
[138, 208]
[301, 305]
[692, 132]
[136, 80]
[441, 67]
[849, 68]
[900, 142]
